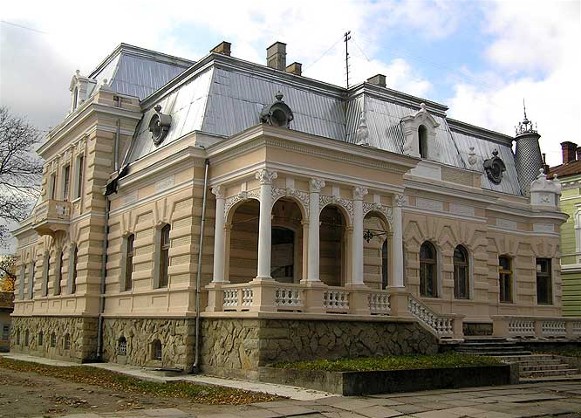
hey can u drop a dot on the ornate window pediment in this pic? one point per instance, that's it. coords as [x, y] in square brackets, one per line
[81, 88]
[419, 132]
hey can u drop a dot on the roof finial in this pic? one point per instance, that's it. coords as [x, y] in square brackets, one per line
[526, 126]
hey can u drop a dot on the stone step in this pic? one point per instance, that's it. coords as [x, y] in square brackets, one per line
[497, 353]
[541, 367]
[529, 357]
[546, 373]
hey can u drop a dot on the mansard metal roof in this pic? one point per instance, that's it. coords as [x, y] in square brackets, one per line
[137, 71]
[222, 96]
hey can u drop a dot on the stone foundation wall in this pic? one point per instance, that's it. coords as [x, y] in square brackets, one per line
[80, 346]
[177, 337]
[237, 347]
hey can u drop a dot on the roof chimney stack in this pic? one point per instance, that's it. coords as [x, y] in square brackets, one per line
[569, 151]
[377, 80]
[276, 56]
[223, 48]
[295, 68]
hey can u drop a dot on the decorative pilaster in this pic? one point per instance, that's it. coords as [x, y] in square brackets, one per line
[315, 187]
[264, 227]
[397, 242]
[357, 237]
[219, 232]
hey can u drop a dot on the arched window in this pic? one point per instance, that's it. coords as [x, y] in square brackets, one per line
[423, 141]
[73, 269]
[45, 274]
[58, 275]
[40, 338]
[428, 270]
[505, 278]
[67, 341]
[461, 273]
[17, 337]
[156, 350]
[53, 340]
[26, 338]
[122, 346]
[384, 265]
[31, 282]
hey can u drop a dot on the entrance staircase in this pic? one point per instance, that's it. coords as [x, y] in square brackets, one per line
[532, 367]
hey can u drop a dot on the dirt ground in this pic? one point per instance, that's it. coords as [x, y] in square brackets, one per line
[24, 394]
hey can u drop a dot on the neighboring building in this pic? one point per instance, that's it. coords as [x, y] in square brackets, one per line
[6, 307]
[569, 174]
[299, 219]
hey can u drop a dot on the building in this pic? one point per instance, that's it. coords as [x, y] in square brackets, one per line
[569, 174]
[221, 214]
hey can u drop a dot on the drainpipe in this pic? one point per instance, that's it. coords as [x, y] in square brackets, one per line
[196, 367]
[103, 277]
[116, 146]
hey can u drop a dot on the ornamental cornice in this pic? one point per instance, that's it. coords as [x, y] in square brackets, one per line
[265, 177]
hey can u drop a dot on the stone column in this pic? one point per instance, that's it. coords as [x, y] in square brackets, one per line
[357, 236]
[313, 256]
[264, 227]
[219, 232]
[397, 243]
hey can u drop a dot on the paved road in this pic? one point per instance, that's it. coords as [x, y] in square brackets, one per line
[562, 399]
[547, 399]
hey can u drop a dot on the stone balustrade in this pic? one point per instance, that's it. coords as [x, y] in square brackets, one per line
[442, 325]
[536, 327]
[52, 215]
[272, 296]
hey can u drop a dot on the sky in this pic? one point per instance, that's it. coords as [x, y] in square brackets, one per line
[479, 58]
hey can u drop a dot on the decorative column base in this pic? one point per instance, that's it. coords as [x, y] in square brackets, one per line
[263, 293]
[398, 302]
[314, 293]
[215, 297]
[359, 299]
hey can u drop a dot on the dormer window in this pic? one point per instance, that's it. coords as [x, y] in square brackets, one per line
[75, 98]
[81, 89]
[419, 132]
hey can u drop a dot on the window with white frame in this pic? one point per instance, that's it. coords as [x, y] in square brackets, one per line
[461, 273]
[505, 279]
[428, 270]
[66, 181]
[79, 177]
[544, 282]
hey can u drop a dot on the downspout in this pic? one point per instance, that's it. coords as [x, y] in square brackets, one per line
[103, 277]
[116, 145]
[196, 367]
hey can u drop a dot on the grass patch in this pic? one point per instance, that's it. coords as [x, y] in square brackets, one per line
[436, 361]
[204, 394]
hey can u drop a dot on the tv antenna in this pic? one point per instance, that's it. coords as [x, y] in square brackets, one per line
[347, 36]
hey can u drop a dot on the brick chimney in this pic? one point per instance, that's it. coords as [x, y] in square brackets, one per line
[276, 56]
[295, 68]
[569, 151]
[223, 48]
[377, 80]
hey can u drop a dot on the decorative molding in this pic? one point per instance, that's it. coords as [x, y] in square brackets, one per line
[233, 200]
[265, 177]
[130, 198]
[346, 204]
[543, 228]
[218, 191]
[506, 224]
[164, 184]
[359, 192]
[464, 210]
[377, 207]
[400, 200]
[302, 197]
[429, 204]
[316, 184]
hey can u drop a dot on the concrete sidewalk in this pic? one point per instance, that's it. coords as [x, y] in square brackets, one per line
[561, 398]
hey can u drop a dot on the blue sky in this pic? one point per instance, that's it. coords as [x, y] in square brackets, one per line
[480, 58]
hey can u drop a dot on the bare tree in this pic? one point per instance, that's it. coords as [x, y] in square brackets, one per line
[20, 170]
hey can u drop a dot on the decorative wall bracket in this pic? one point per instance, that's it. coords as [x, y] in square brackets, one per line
[494, 168]
[159, 125]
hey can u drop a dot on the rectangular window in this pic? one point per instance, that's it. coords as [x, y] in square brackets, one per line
[45, 274]
[505, 279]
[66, 181]
[80, 176]
[31, 282]
[52, 186]
[164, 256]
[129, 261]
[58, 275]
[544, 282]
[6, 332]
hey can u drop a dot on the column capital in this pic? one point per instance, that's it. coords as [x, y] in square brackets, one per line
[265, 176]
[400, 200]
[316, 184]
[219, 192]
[359, 192]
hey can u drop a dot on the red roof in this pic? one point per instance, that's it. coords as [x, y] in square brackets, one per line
[564, 170]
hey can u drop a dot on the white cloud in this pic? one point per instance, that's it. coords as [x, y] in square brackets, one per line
[541, 36]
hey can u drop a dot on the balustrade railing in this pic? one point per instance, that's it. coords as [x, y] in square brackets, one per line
[379, 303]
[536, 327]
[336, 300]
[288, 298]
[441, 325]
